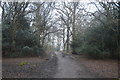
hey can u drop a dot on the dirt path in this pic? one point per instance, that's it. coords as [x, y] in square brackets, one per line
[58, 66]
[69, 68]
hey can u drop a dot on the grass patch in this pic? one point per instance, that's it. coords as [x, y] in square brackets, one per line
[22, 63]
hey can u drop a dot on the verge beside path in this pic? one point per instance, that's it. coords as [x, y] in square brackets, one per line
[37, 68]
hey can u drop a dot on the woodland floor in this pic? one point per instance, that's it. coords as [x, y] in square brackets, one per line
[106, 68]
[36, 67]
[59, 66]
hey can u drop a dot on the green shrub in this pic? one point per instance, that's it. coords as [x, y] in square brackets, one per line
[26, 51]
[38, 51]
[78, 50]
[93, 52]
[105, 54]
[5, 49]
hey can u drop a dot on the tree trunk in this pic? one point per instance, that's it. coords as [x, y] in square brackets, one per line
[13, 35]
[68, 29]
[64, 39]
[73, 26]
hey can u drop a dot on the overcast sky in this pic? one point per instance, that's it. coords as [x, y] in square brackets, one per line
[89, 7]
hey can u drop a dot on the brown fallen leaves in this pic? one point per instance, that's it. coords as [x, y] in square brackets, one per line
[105, 68]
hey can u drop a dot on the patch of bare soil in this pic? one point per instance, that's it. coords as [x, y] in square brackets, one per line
[17, 60]
[105, 68]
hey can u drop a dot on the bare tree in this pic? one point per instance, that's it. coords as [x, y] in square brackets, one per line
[43, 23]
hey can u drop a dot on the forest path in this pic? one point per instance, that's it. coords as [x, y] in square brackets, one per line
[69, 68]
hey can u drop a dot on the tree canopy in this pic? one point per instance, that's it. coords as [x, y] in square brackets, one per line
[32, 28]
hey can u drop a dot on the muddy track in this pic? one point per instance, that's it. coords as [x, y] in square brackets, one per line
[70, 68]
